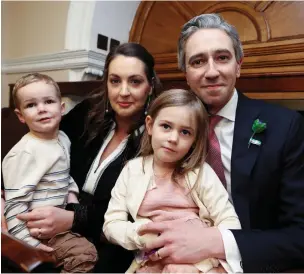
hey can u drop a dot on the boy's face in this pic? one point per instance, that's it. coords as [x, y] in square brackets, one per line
[40, 108]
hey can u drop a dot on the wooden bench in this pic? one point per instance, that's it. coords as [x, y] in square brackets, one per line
[17, 256]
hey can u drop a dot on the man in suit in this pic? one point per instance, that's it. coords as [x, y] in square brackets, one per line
[264, 175]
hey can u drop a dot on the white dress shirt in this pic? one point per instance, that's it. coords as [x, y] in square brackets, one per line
[224, 131]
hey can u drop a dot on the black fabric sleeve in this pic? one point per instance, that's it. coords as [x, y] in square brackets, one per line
[80, 217]
[73, 123]
[88, 219]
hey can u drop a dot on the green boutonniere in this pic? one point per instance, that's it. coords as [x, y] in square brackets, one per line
[257, 127]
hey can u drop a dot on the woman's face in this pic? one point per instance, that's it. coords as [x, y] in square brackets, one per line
[128, 86]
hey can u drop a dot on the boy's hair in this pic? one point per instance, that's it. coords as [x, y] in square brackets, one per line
[197, 154]
[33, 78]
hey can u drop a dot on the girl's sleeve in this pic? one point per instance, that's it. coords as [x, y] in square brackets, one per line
[117, 228]
[21, 175]
[216, 199]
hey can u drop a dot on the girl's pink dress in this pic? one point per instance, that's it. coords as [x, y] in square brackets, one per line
[166, 201]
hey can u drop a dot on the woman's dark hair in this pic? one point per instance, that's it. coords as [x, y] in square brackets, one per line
[98, 119]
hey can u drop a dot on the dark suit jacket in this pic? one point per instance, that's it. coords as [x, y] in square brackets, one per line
[267, 184]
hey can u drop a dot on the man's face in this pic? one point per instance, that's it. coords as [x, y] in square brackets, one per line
[211, 67]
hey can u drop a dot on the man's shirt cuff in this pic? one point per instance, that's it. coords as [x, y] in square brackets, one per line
[233, 263]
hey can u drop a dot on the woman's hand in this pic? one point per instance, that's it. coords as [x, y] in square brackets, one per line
[46, 222]
[3, 220]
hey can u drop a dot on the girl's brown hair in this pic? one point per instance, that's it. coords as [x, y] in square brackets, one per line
[197, 154]
[98, 119]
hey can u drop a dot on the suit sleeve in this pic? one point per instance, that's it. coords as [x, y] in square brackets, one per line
[281, 249]
[21, 176]
[117, 228]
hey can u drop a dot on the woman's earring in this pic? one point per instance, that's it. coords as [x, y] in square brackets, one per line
[107, 107]
[148, 102]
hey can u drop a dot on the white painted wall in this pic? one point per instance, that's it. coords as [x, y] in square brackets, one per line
[113, 19]
[74, 31]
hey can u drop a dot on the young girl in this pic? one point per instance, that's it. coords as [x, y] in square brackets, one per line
[170, 181]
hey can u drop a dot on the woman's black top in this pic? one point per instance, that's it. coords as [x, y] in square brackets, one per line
[89, 215]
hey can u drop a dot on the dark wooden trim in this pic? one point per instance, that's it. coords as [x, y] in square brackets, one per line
[266, 86]
[271, 83]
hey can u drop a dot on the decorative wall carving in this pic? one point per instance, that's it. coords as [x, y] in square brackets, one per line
[271, 31]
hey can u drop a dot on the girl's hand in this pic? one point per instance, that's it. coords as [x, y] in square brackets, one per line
[3, 220]
[47, 221]
[44, 248]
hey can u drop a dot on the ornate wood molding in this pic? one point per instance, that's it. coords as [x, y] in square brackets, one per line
[184, 10]
[256, 18]
[289, 60]
[140, 19]
[261, 6]
[273, 48]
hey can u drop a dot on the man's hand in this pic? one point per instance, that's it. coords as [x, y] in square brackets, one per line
[3, 220]
[47, 221]
[184, 242]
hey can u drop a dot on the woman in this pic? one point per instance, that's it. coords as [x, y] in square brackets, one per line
[105, 131]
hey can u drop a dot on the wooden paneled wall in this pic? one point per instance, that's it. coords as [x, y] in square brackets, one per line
[271, 31]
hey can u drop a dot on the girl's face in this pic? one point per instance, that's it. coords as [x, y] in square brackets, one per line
[173, 132]
[128, 86]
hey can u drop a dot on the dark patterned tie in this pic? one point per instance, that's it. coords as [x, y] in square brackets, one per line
[214, 158]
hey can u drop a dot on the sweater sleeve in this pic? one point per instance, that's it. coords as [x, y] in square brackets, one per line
[117, 228]
[73, 186]
[21, 175]
[64, 139]
[216, 199]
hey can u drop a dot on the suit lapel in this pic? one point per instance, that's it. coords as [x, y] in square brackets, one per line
[243, 157]
[142, 181]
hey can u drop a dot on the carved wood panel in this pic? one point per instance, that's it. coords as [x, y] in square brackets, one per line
[271, 31]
